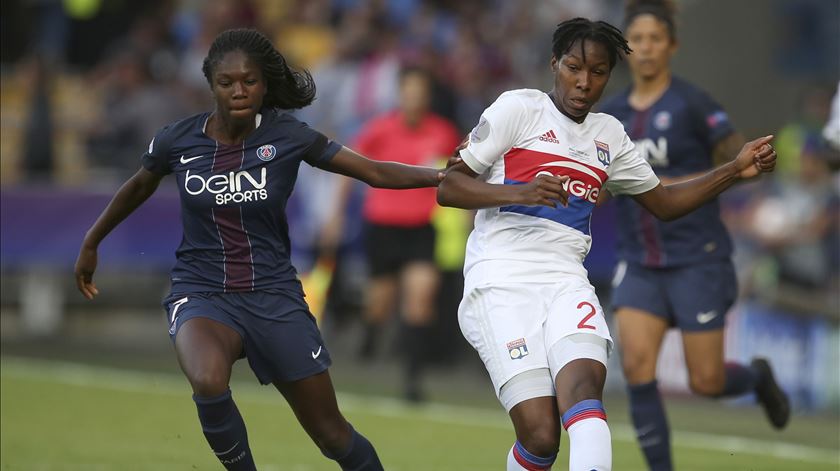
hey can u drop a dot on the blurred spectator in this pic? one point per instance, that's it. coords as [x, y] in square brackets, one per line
[400, 237]
[133, 108]
[831, 131]
[807, 124]
[793, 226]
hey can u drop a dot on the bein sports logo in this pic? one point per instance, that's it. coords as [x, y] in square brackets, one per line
[517, 349]
[575, 185]
[231, 187]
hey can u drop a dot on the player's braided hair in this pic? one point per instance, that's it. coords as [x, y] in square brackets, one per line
[576, 29]
[286, 88]
[663, 10]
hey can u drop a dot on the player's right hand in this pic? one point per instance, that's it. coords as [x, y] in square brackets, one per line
[545, 190]
[85, 266]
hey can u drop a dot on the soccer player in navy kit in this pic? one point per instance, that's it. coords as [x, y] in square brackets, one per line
[678, 273]
[234, 290]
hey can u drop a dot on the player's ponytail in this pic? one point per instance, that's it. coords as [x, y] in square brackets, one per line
[286, 88]
[664, 11]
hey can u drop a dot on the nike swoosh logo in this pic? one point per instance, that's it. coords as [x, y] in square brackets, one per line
[186, 161]
[220, 453]
[706, 317]
[315, 355]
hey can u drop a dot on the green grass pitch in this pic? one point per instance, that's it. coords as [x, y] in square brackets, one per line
[73, 417]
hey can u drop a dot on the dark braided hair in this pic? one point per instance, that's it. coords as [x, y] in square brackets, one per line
[662, 10]
[576, 29]
[286, 88]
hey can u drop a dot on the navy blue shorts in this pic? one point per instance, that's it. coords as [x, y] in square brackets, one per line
[280, 337]
[691, 298]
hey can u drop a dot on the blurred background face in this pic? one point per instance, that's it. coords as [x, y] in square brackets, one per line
[415, 93]
[652, 46]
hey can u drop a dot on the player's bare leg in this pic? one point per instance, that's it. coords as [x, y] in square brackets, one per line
[206, 352]
[640, 336]
[580, 386]
[710, 376]
[313, 401]
[380, 301]
[537, 425]
[419, 284]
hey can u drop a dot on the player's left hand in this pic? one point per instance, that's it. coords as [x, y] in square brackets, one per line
[755, 158]
[455, 158]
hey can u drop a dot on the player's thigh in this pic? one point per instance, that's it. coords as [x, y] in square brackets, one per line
[704, 360]
[575, 325]
[419, 285]
[536, 422]
[580, 380]
[313, 401]
[282, 339]
[206, 350]
[505, 325]
[702, 294]
[640, 335]
[640, 288]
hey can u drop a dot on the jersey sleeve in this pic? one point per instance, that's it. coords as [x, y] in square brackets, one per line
[630, 173]
[495, 133]
[318, 149]
[156, 157]
[711, 120]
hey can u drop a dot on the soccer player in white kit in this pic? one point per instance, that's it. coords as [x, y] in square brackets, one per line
[534, 167]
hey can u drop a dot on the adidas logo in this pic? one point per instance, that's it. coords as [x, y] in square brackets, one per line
[549, 137]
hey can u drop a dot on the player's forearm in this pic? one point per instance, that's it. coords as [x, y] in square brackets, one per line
[400, 176]
[130, 196]
[462, 191]
[686, 196]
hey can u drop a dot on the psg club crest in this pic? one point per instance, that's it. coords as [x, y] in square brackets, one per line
[266, 152]
[603, 152]
[662, 120]
[517, 349]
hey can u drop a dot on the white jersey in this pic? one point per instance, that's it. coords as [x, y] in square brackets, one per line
[523, 135]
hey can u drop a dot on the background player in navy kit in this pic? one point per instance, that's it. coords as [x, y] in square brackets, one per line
[234, 290]
[676, 273]
[562, 377]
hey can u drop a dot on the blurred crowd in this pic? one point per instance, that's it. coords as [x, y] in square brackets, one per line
[86, 83]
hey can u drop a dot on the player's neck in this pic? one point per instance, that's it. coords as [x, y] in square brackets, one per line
[647, 90]
[412, 119]
[228, 131]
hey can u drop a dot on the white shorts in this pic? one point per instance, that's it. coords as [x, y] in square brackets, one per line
[513, 326]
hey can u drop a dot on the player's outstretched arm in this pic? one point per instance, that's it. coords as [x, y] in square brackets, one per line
[131, 194]
[382, 174]
[460, 189]
[669, 202]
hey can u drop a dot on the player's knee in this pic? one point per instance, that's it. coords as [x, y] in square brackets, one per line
[332, 438]
[541, 438]
[580, 390]
[706, 383]
[639, 366]
[208, 382]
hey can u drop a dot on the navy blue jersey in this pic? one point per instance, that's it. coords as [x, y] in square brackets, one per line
[676, 135]
[233, 200]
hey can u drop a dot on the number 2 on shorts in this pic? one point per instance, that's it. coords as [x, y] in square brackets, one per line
[582, 324]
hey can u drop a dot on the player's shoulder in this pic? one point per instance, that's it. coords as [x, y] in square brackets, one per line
[184, 126]
[523, 103]
[178, 133]
[689, 92]
[525, 96]
[605, 123]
